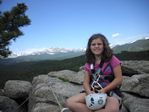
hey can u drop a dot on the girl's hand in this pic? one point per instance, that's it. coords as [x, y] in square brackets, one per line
[102, 90]
[89, 92]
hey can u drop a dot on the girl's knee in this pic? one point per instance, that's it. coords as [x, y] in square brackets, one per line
[114, 109]
[68, 102]
[71, 104]
[112, 105]
[72, 101]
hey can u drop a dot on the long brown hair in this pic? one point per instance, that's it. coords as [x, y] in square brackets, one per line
[107, 52]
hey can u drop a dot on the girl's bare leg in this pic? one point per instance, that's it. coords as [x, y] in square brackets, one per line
[112, 105]
[77, 103]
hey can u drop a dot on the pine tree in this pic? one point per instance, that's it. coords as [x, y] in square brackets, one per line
[10, 24]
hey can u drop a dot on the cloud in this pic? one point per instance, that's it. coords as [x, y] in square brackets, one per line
[115, 34]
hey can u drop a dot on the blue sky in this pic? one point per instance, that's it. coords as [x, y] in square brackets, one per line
[69, 23]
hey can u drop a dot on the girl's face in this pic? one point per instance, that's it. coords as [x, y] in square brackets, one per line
[97, 46]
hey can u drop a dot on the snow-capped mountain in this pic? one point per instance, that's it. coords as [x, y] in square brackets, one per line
[48, 51]
[42, 54]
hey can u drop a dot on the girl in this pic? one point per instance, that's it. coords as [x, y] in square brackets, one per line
[99, 54]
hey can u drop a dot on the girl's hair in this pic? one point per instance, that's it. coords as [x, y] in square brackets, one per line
[107, 52]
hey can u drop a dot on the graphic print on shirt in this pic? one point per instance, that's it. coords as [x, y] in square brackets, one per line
[100, 78]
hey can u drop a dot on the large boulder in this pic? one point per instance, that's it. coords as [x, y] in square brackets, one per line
[135, 92]
[50, 92]
[129, 71]
[138, 84]
[139, 66]
[133, 103]
[45, 107]
[8, 105]
[17, 89]
[68, 75]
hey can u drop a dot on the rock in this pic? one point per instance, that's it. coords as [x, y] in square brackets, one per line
[45, 107]
[64, 85]
[17, 89]
[138, 84]
[47, 90]
[135, 104]
[70, 76]
[43, 78]
[140, 66]
[123, 108]
[129, 71]
[8, 105]
[1, 92]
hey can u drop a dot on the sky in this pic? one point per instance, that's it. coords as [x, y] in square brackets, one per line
[70, 23]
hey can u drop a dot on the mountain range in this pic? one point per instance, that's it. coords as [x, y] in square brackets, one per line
[62, 53]
[44, 54]
[138, 45]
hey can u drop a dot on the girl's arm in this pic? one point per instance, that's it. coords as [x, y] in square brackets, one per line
[117, 80]
[86, 82]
